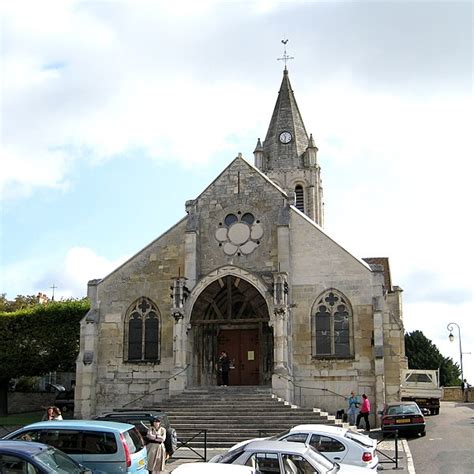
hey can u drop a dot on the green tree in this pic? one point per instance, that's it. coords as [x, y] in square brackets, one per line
[38, 340]
[423, 354]
[20, 302]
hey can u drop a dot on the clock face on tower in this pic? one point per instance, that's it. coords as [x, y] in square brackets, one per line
[285, 137]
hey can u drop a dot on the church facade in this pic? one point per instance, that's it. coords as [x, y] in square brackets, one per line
[248, 270]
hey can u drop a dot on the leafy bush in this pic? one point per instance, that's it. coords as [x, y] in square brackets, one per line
[41, 339]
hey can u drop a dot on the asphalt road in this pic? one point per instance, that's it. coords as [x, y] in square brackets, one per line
[448, 447]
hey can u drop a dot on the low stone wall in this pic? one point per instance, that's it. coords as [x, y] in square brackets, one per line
[22, 402]
[454, 394]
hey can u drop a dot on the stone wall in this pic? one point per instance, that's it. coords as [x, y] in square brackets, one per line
[318, 263]
[454, 394]
[240, 189]
[22, 402]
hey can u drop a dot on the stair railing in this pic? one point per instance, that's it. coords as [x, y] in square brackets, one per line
[158, 388]
[300, 387]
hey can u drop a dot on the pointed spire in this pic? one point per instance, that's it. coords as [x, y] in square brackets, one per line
[311, 153]
[285, 151]
[258, 156]
[259, 146]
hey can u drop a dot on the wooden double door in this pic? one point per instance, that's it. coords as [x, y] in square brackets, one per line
[243, 348]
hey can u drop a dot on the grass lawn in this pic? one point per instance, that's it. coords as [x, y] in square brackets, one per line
[21, 418]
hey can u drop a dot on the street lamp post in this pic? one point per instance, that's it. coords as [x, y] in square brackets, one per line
[451, 338]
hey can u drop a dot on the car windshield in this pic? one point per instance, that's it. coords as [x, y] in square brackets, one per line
[231, 456]
[360, 439]
[321, 459]
[58, 461]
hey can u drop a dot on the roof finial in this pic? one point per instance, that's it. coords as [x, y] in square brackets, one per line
[285, 57]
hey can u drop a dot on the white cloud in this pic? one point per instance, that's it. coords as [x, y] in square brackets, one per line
[183, 81]
[69, 272]
[75, 91]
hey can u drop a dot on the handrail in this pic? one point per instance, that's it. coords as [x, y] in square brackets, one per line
[391, 460]
[185, 443]
[157, 389]
[312, 388]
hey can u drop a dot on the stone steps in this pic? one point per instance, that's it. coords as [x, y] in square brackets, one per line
[233, 414]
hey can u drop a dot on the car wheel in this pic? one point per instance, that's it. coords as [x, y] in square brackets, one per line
[423, 433]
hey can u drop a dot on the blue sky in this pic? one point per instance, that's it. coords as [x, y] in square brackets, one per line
[113, 114]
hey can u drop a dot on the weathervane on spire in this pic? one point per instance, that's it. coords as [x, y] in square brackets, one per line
[285, 57]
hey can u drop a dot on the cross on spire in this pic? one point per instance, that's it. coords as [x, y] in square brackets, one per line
[285, 56]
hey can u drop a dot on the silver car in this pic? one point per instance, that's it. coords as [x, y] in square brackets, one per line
[286, 458]
[337, 444]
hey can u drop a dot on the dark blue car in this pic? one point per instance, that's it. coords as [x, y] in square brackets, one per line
[36, 458]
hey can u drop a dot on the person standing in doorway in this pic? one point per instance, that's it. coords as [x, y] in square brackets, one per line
[224, 367]
[353, 409]
[364, 412]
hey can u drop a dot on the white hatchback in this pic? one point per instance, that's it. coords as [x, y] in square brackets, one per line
[269, 456]
[206, 468]
[340, 445]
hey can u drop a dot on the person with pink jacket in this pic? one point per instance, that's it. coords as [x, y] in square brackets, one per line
[364, 412]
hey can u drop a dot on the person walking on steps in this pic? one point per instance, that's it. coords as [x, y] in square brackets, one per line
[364, 412]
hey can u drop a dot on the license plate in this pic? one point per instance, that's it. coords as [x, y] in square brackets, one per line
[403, 420]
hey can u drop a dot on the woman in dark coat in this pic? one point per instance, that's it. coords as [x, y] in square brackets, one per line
[224, 367]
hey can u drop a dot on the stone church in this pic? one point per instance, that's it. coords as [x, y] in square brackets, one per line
[248, 269]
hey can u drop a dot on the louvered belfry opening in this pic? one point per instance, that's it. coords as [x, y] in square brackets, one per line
[232, 315]
[299, 197]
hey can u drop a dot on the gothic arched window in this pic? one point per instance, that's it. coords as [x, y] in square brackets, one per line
[331, 320]
[142, 330]
[299, 197]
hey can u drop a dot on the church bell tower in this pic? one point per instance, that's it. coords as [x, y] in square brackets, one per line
[288, 155]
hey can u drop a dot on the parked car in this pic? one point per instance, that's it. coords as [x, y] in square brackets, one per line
[36, 458]
[338, 444]
[65, 401]
[404, 417]
[142, 420]
[286, 458]
[206, 468]
[99, 445]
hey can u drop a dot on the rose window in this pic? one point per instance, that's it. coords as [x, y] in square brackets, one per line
[239, 233]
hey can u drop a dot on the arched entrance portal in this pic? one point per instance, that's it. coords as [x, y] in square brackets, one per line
[232, 315]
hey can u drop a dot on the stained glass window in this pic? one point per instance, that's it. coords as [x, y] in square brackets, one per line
[143, 331]
[332, 326]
